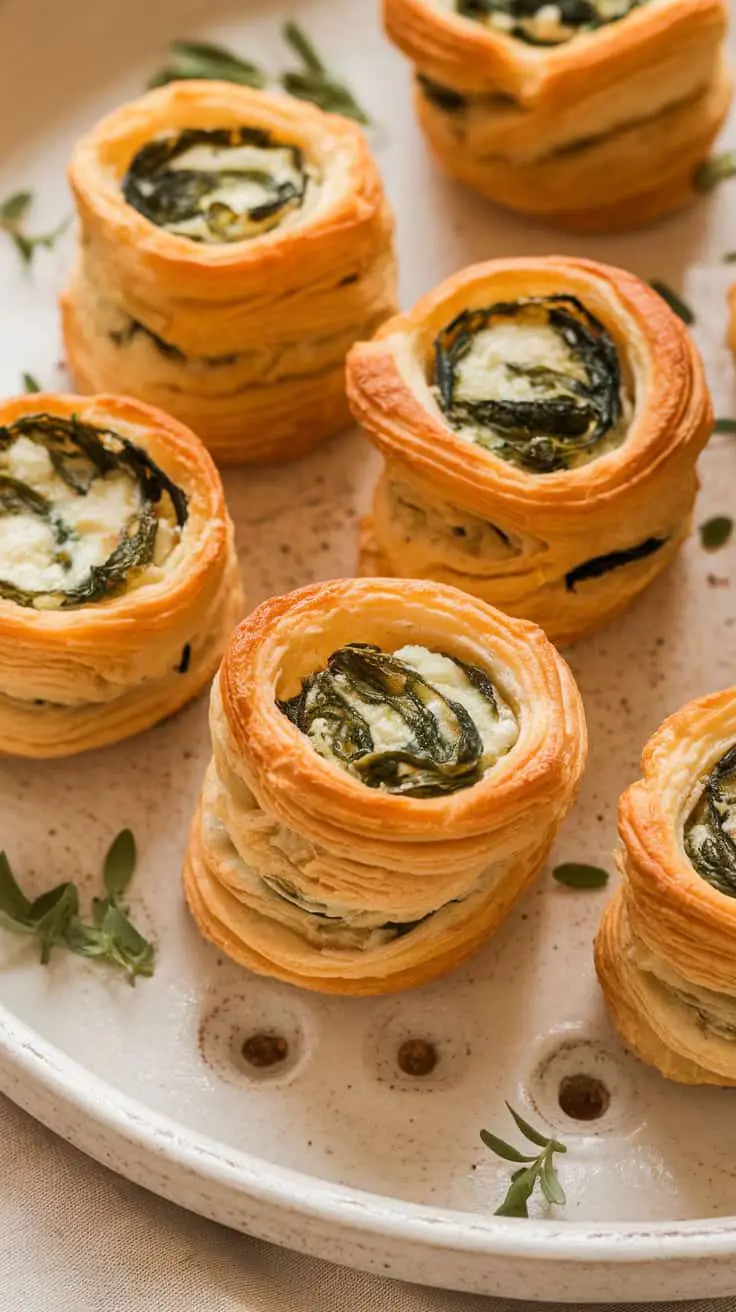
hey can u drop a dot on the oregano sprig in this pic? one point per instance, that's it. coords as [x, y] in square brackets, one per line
[53, 919]
[313, 81]
[13, 216]
[535, 1168]
[203, 60]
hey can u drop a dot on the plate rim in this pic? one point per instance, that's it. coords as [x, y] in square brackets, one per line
[29, 1056]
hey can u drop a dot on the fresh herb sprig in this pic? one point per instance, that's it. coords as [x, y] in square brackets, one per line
[313, 81]
[31, 383]
[53, 919]
[725, 426]
[13, 216]
[535, 1168]
[717, 169]
[203, 60]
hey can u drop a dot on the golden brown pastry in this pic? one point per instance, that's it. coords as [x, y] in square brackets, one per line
[118, 577]
[665, 949]
[591, 114]
[233, 245]
[391, 763]
[540, 420]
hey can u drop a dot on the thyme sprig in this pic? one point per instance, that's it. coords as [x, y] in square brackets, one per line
[53, 919]
[313, 81]
[13, 216]
[203, 60]
[536, 1168]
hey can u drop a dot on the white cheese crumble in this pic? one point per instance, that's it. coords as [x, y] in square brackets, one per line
[31, 556]
[242, 195]
[486, 372]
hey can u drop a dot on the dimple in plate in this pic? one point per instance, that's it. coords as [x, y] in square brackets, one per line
[336, 1150]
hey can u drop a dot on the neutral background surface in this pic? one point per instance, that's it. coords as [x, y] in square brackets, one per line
[76, 1238]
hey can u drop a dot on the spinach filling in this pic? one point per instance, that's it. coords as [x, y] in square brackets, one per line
[80, 458]
[708, 838]
[217, 185]
[442, 750]
[600, 565]
[556, 406]
[541, 23]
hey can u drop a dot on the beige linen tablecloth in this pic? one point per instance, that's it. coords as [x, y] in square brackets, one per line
[76, 1238]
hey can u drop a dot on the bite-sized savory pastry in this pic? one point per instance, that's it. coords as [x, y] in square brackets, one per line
[391, 763]
[118, 577]
[666, 948]
[592, 114]
[232, 247]
[540, 421]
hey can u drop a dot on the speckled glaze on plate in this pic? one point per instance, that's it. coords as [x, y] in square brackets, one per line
[335, 1150]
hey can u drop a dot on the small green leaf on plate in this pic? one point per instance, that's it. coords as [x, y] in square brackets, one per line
[715, 170]
[675, 301]
[503, 1149]
[117, 871]
[30, 383]
[574, 874]
[715, 532]
[725, 426]
[14, 208]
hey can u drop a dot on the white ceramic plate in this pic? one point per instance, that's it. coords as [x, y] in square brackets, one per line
[337, 1152]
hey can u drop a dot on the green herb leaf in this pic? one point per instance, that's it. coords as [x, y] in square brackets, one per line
[30, 383]
[540, 1168]
[551, 1187]
[505, 1150]
[541, 1140]
[729, 257]
[14, 208]
[119, 863]
[576, 875]
[519, 1192]
[715, 170]
[314, 82]
[13, 902]
[715, 532]
[725, 426]
[53, 918]
[50, 915]
[197, 60]
[675, 302]
[13, 213]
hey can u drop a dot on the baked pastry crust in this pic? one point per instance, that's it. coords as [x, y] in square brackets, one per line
[448, 868]
[77, 678]
[520, 539]
[603, 131]
[243, 340]
[665, 948]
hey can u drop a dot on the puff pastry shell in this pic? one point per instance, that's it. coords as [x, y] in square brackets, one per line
[81, 677]
[272, 808]
[665, 949]
[566, 549]
[245, 340]
[602, 131]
